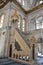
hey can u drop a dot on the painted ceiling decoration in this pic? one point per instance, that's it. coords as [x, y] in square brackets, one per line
[3, 3]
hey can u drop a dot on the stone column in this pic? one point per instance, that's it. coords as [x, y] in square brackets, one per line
[21, 25]
[27, 26]
[42, 48]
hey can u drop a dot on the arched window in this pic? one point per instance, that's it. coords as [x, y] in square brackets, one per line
[1, 20]
[19, 22]
[23, 25]
[36, 23]
[39, 22]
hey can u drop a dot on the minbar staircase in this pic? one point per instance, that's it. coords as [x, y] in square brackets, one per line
[25, 45]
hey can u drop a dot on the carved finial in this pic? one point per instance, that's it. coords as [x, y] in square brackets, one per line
[15, 15]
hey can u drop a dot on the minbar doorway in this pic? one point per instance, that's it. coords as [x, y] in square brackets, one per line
[10, 51]
[33, 51]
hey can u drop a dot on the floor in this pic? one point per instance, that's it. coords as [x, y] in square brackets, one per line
[6, 61]
[39, 60]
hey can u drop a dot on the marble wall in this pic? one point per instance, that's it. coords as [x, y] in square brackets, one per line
[33, 15]
[2, 42]
[8, 11]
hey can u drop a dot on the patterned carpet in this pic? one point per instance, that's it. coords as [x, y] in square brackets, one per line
[6, 61]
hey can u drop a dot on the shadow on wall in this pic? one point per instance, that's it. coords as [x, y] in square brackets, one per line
[17, 46]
